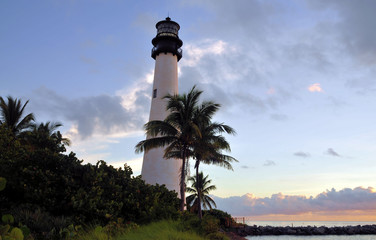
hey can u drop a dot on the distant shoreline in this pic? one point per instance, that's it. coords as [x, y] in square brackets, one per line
[304, 223]
[255, 230]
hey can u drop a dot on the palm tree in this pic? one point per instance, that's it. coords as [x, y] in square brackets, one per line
[200, 189]
[11, 115]
[208, 149]
[177, 131]
[45, 135]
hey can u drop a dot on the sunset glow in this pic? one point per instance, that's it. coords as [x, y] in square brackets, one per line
[295, 79]
[348, 216]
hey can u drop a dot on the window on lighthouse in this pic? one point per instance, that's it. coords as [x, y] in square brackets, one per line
[154, 93]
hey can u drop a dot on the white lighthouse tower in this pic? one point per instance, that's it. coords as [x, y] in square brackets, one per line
[167, 53]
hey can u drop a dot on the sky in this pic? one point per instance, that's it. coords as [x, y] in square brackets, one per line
[295, 79]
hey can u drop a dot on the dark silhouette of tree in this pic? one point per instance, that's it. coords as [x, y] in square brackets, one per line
[200, 189]
[12, 115]
[46, 136]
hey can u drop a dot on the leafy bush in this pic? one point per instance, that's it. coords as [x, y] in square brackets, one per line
[190, 222]
[225, 219]
[3, 183]
[41, 222]
[7, 232]
[165, 229]
[209, 224]
[49, 191]
[217, 236]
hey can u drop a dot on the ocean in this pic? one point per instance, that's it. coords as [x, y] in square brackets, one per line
[329, 237]
[317, 224]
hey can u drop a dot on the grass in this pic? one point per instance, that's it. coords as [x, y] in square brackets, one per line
[162, 230]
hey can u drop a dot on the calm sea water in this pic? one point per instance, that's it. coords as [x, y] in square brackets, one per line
[317, 224]
[304, 224]
[331, 237]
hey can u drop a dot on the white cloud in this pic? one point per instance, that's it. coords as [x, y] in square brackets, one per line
[105, 116]
[135, 164]
[194, 52]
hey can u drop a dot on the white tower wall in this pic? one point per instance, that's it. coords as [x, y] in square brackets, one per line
[156, 169]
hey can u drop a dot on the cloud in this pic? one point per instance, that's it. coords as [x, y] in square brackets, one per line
[135, 164]
[352, 27]
[331, 152]
[302, 154]
[269, 163]
[315, 88]
[354, 24]
[214, 66]
[357, 199]
[278, 117]
[250, 62]
[270, 91]
[117, 115]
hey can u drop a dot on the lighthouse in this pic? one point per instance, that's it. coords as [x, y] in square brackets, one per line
[166, 52]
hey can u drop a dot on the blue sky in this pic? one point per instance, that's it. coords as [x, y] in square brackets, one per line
[296, 79]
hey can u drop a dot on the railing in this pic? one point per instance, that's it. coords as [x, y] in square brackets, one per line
[235, 222]
[239, 219]
[155, 52]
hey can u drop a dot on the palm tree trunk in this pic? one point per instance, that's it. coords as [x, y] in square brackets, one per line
[198, 192]
[182, 182]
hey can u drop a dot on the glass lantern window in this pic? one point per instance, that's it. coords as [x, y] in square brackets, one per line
[167, 28]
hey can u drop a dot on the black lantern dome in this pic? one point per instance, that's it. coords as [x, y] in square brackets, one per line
[167, 39]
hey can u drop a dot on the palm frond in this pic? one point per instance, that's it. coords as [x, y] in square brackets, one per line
[12, 112]
[202, 185]
[208, 202]
[155, 128]
[151, 143]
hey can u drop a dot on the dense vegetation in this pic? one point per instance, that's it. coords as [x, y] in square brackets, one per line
[46, 193]
[52, 193]
[187, 227]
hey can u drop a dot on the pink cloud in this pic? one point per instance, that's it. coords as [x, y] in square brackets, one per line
[316, 87]
[357, 199]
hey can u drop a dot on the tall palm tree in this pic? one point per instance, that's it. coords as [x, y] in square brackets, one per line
[11, 115]
[177, 131]
[208, 149]
[200, 189]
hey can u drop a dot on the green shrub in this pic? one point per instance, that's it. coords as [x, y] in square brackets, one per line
[3, 183]
[166, 229]
[49, 191]
[7, 219]
[7, 232]
[189, 222]
[209, 224]
[225, 219]
[41, 223]
[217, 236]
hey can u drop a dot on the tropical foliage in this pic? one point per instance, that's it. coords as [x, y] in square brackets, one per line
[46, 193]
[188, 132]
[200, 189]
[53, 193]
[176, 132]
[12, 112]
[207, 148]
